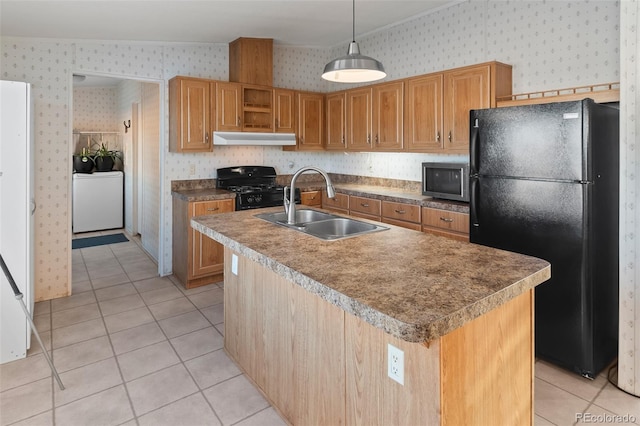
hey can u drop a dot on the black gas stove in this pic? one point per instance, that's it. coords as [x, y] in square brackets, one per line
[255, 186]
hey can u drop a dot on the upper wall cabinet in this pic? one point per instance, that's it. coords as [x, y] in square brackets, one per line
[336, 121]
[251, 61]
[190, 114]
[359, 116]
[284, 111]
[228, 101]
[437, 105]
[309, 117]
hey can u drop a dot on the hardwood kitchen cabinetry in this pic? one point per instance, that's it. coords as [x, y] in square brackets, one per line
[447, 223]
[228, 106]
[401, 214]
[438, 105]
[197, 259]
[284, 111]
[310, 134]
[367, 208]
[375, 117]
[191, 111]
[335, 119]
[311, 198]
[257, 109]
[251, 61]
[339, 204]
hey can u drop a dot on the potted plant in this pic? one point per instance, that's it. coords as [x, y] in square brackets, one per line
[105, 158]
[83, 162]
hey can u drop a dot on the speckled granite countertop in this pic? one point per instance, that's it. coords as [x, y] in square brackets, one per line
[203, 194]
[413, 285]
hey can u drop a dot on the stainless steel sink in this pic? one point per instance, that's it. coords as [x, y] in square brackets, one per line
[302, 216]
[325, 226]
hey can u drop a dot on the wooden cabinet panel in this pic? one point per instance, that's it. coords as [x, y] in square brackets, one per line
[257, 109]
[251, 61]
[335, 119]
[228, 106]
[310, 121]
[190, 112]
[447, 223]
[464, 90]
[368, 206]
[340, 203]
[423, 113]
[401, 211]
[284, 111]
[359, 108]
[311, 198]
[208, 255]
[388, 125]
[197, 259]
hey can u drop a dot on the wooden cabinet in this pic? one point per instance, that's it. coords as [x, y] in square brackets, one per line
[335, 121]
[375, 117]
[197, 259]
[228, 106]
[388, 124]
[190, 115]
[257, 109]
[284, 111]
[447, 223]
[368, 208]
[359, 108]
[251, 61]
[311, 198]
[437, 106]
[310, 121]
[402, 214]
[339, 204]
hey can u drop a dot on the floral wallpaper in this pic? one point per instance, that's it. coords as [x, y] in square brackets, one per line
[550, 44]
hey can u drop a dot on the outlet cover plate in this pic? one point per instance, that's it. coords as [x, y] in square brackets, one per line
[395, 363]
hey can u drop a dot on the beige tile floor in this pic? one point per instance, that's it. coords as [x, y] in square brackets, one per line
[135, 348]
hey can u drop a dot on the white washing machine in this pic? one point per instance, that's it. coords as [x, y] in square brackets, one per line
[98, 201]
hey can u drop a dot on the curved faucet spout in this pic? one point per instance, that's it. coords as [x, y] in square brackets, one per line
[289, 202]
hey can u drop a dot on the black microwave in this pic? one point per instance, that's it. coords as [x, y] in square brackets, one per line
[449, 181]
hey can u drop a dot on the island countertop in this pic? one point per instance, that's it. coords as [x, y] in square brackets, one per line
[413, 285]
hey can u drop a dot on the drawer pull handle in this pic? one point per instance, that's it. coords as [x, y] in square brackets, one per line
[364, 204]
[213, 209]
[444, 219]
[399, 211]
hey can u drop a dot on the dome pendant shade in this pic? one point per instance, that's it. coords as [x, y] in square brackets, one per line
[353, 68]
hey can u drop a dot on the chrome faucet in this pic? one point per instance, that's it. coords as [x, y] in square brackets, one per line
[290, 192]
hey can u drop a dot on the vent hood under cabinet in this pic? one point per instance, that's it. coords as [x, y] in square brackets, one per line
[253, 139]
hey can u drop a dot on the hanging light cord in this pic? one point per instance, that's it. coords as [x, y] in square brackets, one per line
[353, 21]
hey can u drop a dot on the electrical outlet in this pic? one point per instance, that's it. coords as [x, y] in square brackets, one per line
[395, 360]
[192, 169]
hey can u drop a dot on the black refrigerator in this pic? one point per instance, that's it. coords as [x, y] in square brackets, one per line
[544, 181]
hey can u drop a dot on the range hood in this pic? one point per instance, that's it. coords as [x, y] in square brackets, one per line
[253, 139]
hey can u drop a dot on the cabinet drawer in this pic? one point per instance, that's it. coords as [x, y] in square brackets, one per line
[403, 224]
[311, 198]
[200, 208]
[401, 211]
[341, 202]
[364, 205]
[446, 220]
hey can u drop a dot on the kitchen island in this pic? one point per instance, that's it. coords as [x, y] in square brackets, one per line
[310, 321]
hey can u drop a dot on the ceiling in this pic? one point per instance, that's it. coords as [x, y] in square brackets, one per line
[309, 23]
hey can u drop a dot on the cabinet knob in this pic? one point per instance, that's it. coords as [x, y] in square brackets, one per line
[238, 121]
[277, 124]
[364, 204]
[369, 138]
[438, 136]
[445, 219]
[213, 209]
[400, 211]
[342, 139]
[377, 142]
[449, 136]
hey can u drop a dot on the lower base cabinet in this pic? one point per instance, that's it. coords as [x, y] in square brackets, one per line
[197, 259]
[446, 223]
[317, 364]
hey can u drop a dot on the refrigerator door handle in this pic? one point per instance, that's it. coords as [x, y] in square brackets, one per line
[473, 148]
[474, 199]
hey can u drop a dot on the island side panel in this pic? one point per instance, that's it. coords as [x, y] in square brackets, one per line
[288, 341]
[375, 399]
[487, 367]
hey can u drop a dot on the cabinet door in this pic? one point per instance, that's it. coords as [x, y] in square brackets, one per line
[464, 90]
[336, 108]
[284, 111]
[190, 115]
[208, 255]
[359, 107]
[388, 106]
[310, 121]
[423, 131]
[311, 198]
[228, 106]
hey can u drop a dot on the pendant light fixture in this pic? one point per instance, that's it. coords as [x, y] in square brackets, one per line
[353, 68]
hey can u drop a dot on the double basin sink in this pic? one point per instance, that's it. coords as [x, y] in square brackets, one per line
[322, 225]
